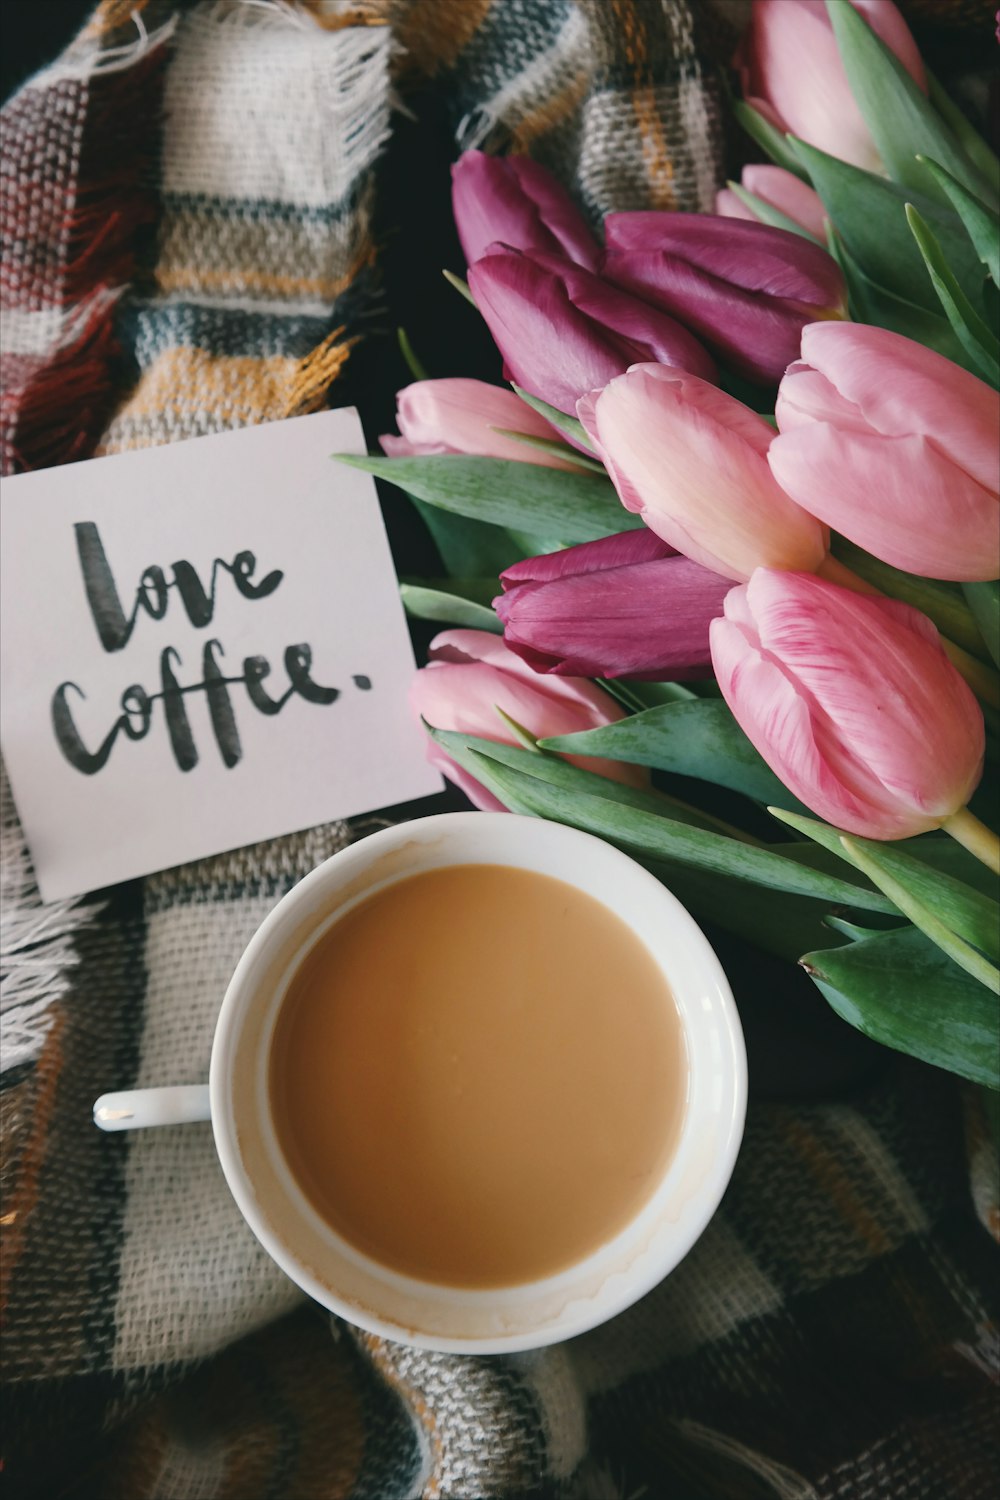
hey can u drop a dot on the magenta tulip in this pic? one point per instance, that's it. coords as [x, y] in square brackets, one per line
[514, 199]
[461, 416]
[623, 606]
[747, 289]
[693, 462]
[895, 447]
[792, 73]
[563, 332]
[471, 674]
[851, 701]
[783, 191]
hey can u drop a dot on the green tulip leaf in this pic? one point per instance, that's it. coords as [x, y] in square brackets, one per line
[768, 214]
[901, 118]
[981, 223]
[470, 547]
[558, 773]
[902, 991]
[894, 875]
[530, 497]
[572, 426]
[977, 339]
[922, 888]
[768, 138]
[698, 738]
[451, 608]
[968, 137]
[557, 449]
[869, 214]
[626, 817]
[406, 349]
[984, 601]
[872, 303]
[944, 603]
[461, 286]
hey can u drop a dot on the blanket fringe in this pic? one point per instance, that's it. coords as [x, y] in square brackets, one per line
[36, 944]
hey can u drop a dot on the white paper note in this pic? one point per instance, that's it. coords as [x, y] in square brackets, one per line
[201, 646]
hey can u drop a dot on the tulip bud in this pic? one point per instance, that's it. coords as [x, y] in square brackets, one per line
[514, 199]
[851, 701]
[623, 606]
[693, 462]
[895, 447]
[747, 289]
[783, 191]
[563, 332]
[460, 416]
[471, 673]
[792, 74]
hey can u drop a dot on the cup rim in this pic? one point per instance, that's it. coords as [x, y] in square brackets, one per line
[717, 1174]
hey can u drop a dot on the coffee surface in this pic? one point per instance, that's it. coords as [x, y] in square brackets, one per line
[478, 1075]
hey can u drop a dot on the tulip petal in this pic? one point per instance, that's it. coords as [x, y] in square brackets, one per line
[789, 193]
[648, 620]
[623, 549]
[897, 497]
[641, 332]
[693, 461]
[758, 337]
[902, 387]
[483, 647]
[461, 416]
[516, 200]
[550, 349]
[777, 722]
[728, 206]
[885, 701]
[556, 210]
[743, 254]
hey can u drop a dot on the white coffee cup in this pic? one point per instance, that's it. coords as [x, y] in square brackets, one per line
[327, 1267]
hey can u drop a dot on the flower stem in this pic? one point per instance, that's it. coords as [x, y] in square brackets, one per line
[983, 680]
[973, 835]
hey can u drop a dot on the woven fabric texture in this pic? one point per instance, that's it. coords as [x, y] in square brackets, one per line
[189, 197]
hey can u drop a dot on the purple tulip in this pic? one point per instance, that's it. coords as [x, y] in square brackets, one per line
[513, 199]
[563, 331]
[624, 606]
[747, 289]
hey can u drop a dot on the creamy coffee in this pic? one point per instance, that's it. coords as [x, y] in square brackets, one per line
[478, 1075]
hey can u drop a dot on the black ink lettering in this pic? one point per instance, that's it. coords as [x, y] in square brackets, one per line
[361, 681]
[68, 737]
[298, 660]
[241, 568]
[102, 595]
[256, 668]
[198, 605]
[136, 701]
[178, 724]
[152, 581]
[115, 629]
[227, 736]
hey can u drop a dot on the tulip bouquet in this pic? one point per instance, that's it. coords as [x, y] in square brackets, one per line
[722, 564]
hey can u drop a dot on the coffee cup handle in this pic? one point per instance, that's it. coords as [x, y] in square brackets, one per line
[137, 1108]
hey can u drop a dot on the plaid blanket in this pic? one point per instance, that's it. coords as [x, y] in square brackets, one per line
[189, 197]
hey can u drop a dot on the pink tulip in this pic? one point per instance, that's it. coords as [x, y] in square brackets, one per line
[792, 73]
[459, 416]
[747, 289]
[895, 447]
[851, 701]
[693, 462]
[623, 606]
[563, 331]
[472, 673]
[514, 199]
[783, 191]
